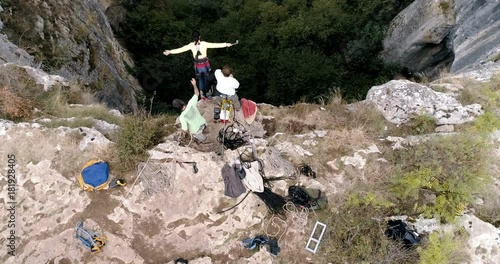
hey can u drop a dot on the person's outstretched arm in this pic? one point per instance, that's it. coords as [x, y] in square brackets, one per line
[217, 45]
[195, 88]
[177, 51]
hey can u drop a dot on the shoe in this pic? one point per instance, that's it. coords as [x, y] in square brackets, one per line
[203, 98]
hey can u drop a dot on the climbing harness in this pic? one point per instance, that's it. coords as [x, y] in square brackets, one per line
[92, 241]
[252, 243]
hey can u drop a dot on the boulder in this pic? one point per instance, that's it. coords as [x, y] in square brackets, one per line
[399, 100]
[484, 240]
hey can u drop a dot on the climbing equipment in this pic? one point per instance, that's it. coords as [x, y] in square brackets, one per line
[92, 241]
[232, 136]
[117, 182]
[226, 110]
[252, 243]
[306, 170]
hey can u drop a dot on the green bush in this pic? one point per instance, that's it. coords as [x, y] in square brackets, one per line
[422, 124]
[486, 123]
[440, 176]
[444, 248]
[137, 135]
[356, 233]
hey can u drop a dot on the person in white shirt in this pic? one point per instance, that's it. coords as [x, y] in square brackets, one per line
[227, 85]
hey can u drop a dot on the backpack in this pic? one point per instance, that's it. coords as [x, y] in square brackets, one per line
[307, 198]
[399, 230]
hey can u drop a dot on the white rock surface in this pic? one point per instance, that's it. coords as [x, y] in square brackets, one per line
[399, 100]
[484, 240]
[358, 160]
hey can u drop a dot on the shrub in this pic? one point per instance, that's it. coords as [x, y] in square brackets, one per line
[443, 248]
[13, 106]
[439, 177]
[136, 136]
[356, 233]
[422, 124]
[486, 123]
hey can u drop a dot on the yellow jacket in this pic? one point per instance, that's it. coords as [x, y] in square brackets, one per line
[202, 47]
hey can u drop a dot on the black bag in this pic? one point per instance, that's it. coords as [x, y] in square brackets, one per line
[308, 198]
[398, 230]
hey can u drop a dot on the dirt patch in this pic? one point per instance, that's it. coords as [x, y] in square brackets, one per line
[151, 255]
[201, 218]
[150, 227]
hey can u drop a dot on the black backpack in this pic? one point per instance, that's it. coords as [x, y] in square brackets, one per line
[299, 197]
[398, 230]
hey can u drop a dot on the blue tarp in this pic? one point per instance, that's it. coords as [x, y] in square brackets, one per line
[96, 174]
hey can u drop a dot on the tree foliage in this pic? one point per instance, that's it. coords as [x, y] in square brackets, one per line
[289, 49]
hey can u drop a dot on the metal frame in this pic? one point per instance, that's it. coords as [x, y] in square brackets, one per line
[317, 240]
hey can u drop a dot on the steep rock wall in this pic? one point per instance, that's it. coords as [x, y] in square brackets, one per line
[431, 34]
[417, 37]
[72, 39]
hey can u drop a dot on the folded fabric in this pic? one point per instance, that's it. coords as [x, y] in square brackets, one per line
[253, 180]
[249, 107]
[233, 187]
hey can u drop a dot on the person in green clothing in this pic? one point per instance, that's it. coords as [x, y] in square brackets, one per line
[191, 120]
[201, 63]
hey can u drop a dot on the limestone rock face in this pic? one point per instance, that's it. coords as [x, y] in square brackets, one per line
[430, 34]
[398, 100]
[72, 39]
[417, 36]
[475, 37]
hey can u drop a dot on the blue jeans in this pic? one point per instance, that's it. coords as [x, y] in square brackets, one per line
[202, 74]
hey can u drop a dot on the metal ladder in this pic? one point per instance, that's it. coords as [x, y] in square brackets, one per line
[315, 240]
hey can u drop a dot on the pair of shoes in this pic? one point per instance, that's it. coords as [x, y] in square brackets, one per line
[203, 98]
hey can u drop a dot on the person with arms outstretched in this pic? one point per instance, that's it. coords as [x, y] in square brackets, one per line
[201, 62]
[191, 120]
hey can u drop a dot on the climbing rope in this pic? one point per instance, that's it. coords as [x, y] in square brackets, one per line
[296, 221]
[155, 178]
[276, 162]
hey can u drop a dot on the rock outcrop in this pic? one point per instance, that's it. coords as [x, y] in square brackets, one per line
[399, 100]
[430, 34]
[72, 39]
[417, 37]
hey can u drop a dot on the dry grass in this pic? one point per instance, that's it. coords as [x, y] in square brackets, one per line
[486, 94]
[63, 151]
[13, 106]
